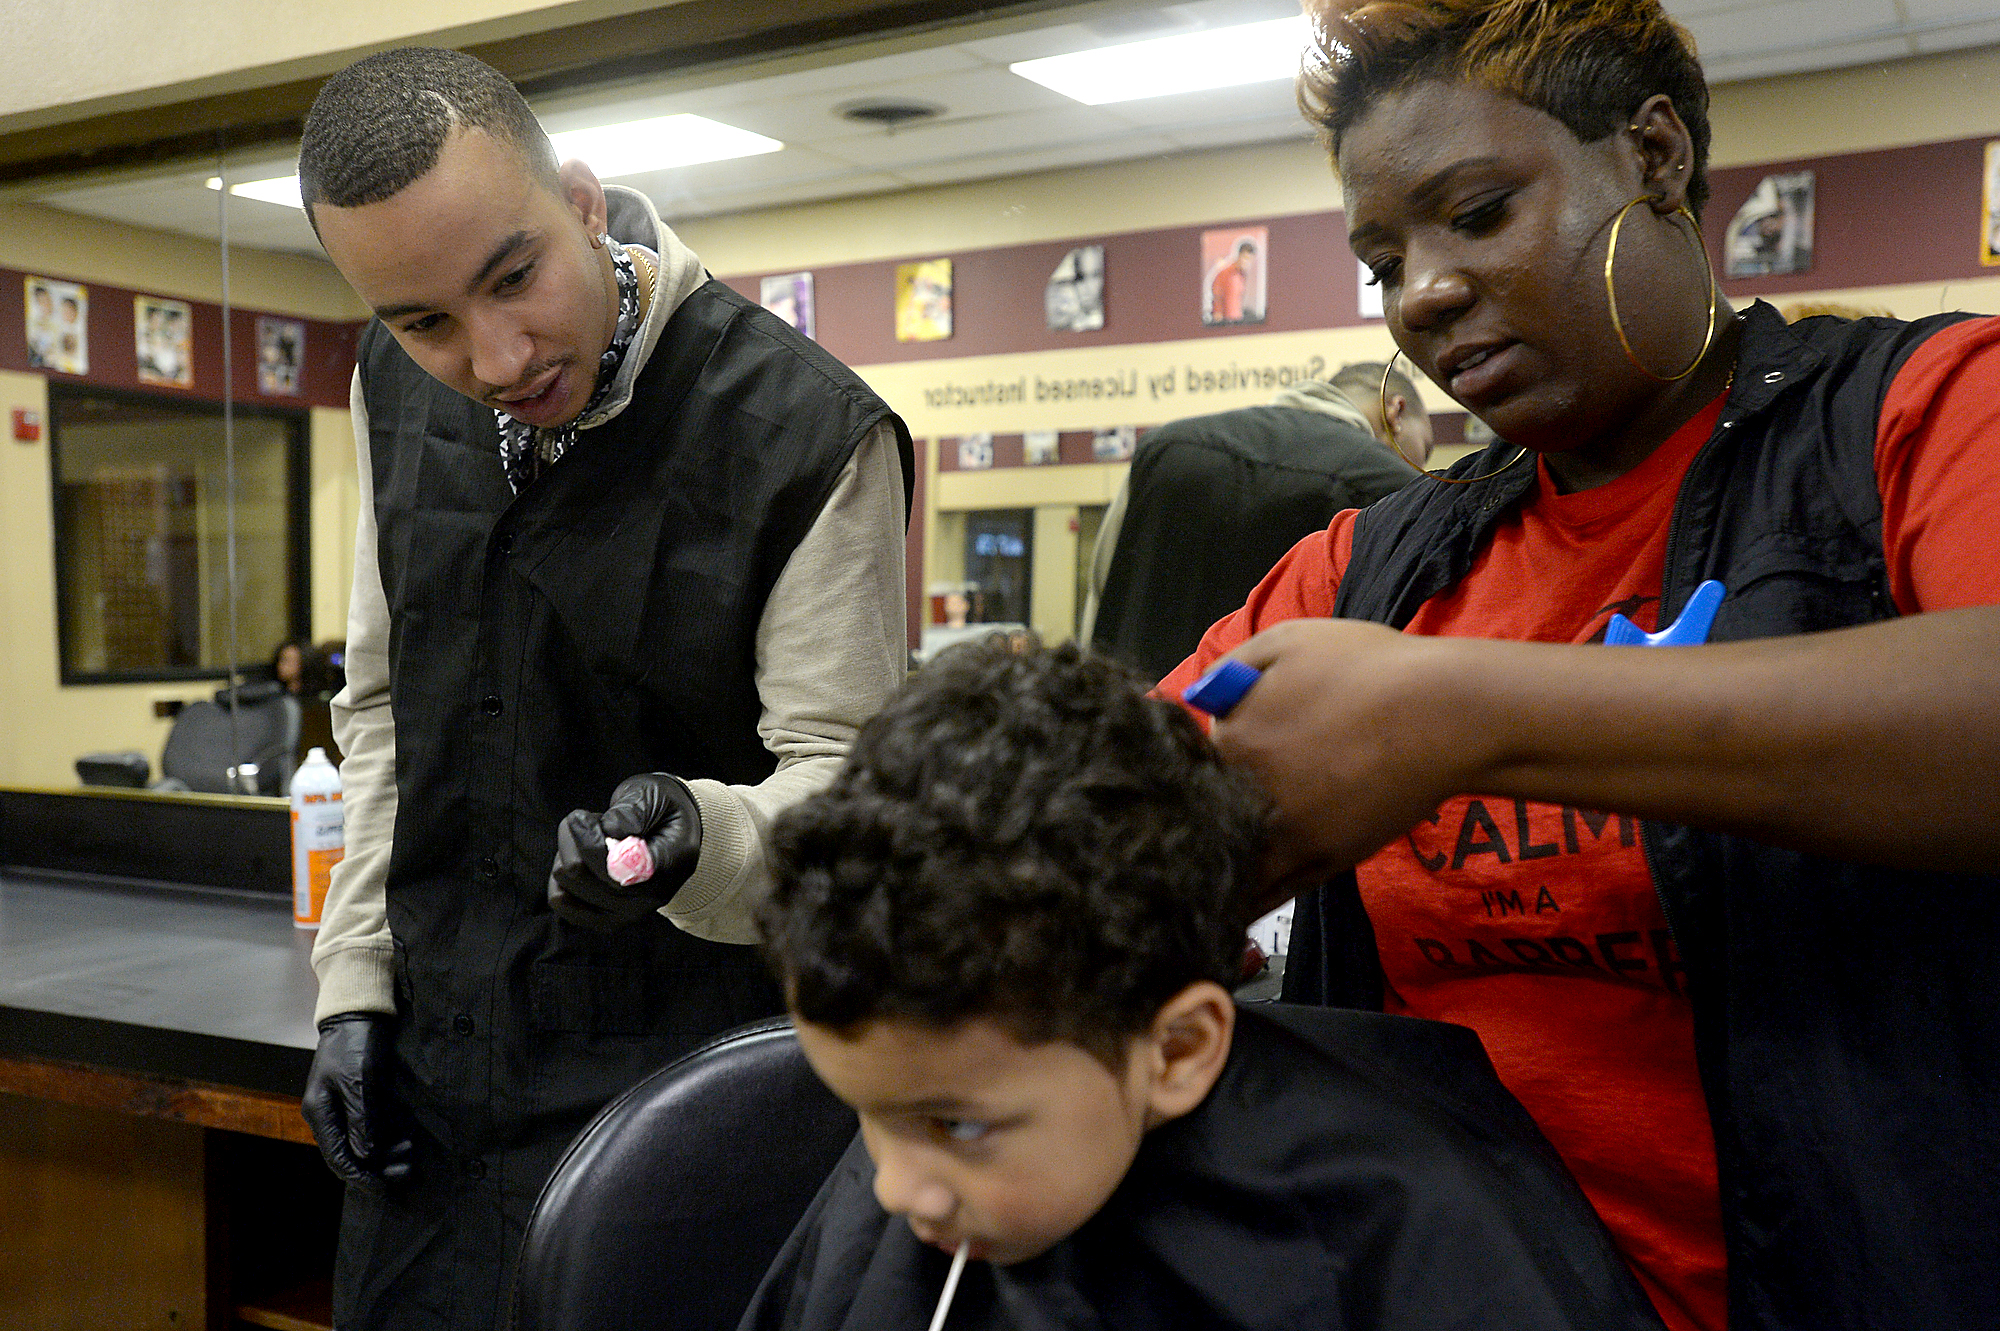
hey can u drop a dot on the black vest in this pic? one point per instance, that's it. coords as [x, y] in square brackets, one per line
[543, 648]
[1847, 1018]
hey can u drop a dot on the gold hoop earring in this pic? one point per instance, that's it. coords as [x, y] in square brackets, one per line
[1611, 293]
[1390, 426]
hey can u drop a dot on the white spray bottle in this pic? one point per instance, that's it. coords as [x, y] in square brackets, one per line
[317, 835]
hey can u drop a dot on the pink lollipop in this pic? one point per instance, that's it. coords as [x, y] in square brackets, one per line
[629, 860]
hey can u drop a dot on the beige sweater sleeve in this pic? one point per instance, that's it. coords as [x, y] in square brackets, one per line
[831, 648]
[354, 956]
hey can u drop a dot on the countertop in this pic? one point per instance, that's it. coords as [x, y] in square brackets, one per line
[197, 985]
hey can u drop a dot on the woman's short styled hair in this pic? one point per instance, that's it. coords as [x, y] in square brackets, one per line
[1021, 837]
[1588, 63]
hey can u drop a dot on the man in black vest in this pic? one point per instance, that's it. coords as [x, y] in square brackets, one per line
[1213, 502]
[627, 543]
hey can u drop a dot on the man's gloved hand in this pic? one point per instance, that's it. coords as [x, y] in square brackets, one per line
[349, 1104]
[657, 808]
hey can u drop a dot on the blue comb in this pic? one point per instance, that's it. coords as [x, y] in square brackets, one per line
[1690, 630]
[1222, 687]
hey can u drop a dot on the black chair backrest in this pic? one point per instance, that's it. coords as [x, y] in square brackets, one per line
[267, 733]
[666, 1211]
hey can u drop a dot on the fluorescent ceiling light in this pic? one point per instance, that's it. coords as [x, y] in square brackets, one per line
[280, 189]
[1186, 62]
[657, 144]
[611, 151]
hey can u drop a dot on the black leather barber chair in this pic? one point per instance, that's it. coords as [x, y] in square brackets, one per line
[667, 1210]
[198, 754]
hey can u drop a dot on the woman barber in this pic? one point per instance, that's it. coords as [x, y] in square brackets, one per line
[1756, 1005]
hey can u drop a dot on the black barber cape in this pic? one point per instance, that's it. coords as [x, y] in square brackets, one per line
[1350, 1170]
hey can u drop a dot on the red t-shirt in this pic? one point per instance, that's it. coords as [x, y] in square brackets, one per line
[1537, 925]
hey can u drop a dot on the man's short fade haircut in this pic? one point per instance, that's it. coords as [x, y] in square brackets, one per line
[379, 125]
[1025, 838]
[1589, 63]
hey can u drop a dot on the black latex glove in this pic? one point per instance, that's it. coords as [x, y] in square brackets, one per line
[655, 806]
[349, 1104]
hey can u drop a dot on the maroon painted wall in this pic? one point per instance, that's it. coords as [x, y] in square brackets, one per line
[114, 355]
[1897, 215]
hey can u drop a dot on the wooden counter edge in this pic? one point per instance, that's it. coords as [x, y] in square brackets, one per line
[203, 1104]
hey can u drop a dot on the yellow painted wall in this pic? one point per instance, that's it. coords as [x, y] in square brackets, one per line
[44, 725]
[40, 239]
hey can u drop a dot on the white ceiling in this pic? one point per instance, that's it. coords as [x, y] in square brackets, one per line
[995, 123]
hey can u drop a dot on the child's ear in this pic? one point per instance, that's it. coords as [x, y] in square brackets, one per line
[1187, 1045]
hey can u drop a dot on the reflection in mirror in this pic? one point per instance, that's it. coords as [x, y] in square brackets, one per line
[142, 529]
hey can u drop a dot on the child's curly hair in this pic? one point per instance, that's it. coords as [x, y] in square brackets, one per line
[1588, 63]
[1025, 838]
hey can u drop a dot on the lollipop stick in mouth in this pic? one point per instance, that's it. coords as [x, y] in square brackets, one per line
[950, 1285]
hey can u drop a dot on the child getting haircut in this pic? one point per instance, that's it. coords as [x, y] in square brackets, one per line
[1007, 933]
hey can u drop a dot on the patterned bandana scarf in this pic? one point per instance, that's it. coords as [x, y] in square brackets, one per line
[526, 451]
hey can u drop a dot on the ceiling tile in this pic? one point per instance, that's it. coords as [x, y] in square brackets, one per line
[987, 166]
[1193, 109]
[972, 94]
[1958, 36]
[861, 74]
[971, 137]
[1923, 12]
[775, 196]
[1792, 25]
[1268, 129]
[1832, 56]
[793, 164]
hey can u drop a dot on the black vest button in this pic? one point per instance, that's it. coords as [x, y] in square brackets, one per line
[506, 543]
[476, 1167]
[490, 704]
[462, 1024]
[489, 867]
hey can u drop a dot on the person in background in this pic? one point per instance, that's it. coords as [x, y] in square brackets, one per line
[571, 595]
[1725, 916]
[302, 668]
[1212, 502]
[1007, 933]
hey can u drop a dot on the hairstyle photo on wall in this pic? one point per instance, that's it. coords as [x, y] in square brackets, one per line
[1074, 296]
[163, 341]
[58, 325]
[790, 297]
[281, 355]
[1115, 444]
[923, 301]
[1772, 232]
[975, 452]
[1989, 211]
[1233, 262]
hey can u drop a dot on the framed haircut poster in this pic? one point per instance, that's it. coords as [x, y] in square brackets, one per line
[163, 339]
[1074, 294]
[281, 354]
[58, 325]
[1772, 233]
[923, 301]
[1989, 209]
[790, 297]
[1233, 275]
